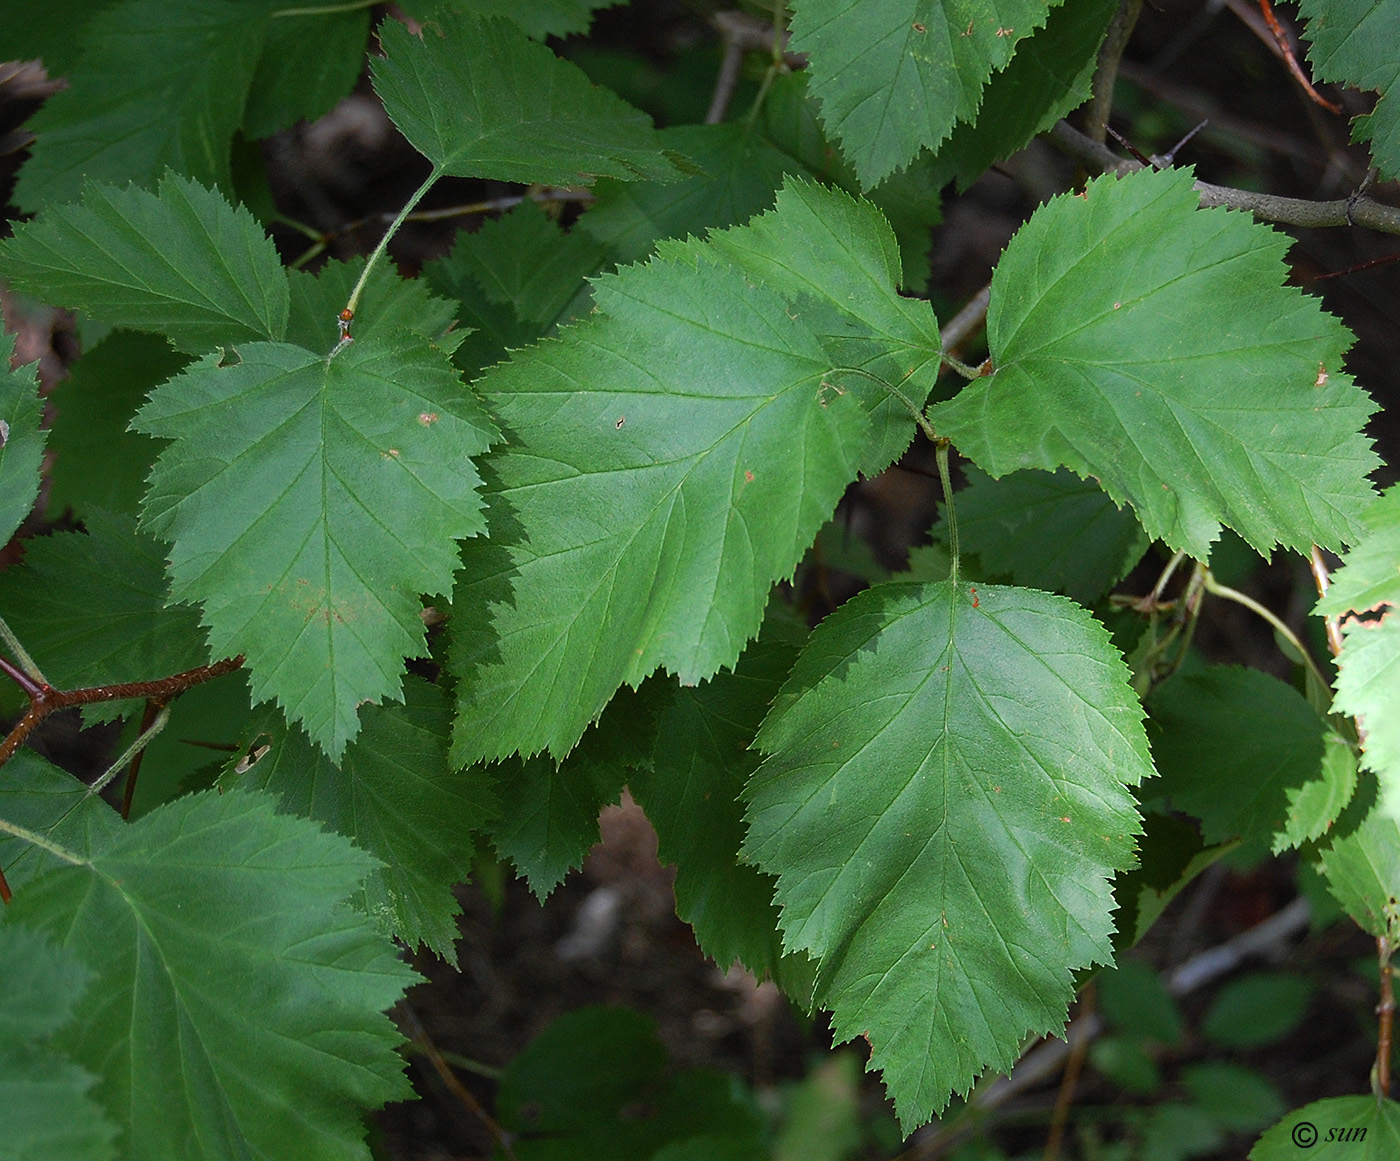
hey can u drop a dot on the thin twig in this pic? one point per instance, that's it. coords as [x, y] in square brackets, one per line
[1323, 581]
[1120, 29]
[1285, 45]
[967, 320]
[1059, 1116]
[1362, 211]
[449, 1078]
[1215, 588]
[163, 689]
[1385, 1013]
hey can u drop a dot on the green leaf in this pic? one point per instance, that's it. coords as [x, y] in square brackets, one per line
[699, 764]
[893, 76]
[1048, 531]
[98, 462]
[1170, 856]
[1132, 999]
[180, 262]
[911, 199]
[823, 1121]
[524, 260]
[1362, 1128]
[47, 30]
[1256, 1009]
[1050, 75]
[91, 609]
[836, 258]
[943, 801]
[1235, 748]
[393, 795]
[388, 303]
[740, 174]
[689, 479]
[1351, 41]
[49, 802]
[157, 86]
[540, 18]
[1366, 684]
[479, 98]
[222, 955]
[1238, 1099]
[45, 1110]
[594, 1084]
[309, 501]
[309, 62]
[1362, 871]
[1114, 359]
[21, 439]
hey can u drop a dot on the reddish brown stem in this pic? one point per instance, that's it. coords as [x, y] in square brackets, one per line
[1286, 47]
[1385, 1011]
[5, 895]
[45, 699]
[148, 718]
[20, 678]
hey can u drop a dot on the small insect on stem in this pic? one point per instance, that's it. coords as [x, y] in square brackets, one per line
[343, 320]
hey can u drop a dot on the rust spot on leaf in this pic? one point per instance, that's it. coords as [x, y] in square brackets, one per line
[428, 418]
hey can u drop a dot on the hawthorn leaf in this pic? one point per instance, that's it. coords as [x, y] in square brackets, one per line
[394, 795]
[1235, 747]
[478, 98]
[944, 799]
[540, 18]
[21, 439]
[1114, 359]
[387, 303]
[1372, 1130]
[690, 790]
[894, 76]
[524, 260]
[45, 1109]
[910, 199]
[549, 817]
[1362, 870]
[157, 86]
[1351, 43]
[222, 954]
[1050, 76]
[308, 501]
[47, 801]
[180, 262]
[1048, 530]
[670, 458]
[740, 172]
[91, 609]
[836, 258]
[309, 62]
[47, 30]
[98, 463]
[1368, 679]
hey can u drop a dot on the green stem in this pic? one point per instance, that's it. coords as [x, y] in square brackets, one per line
[890, 388]
[20, 653]
[960, 367]
[354, 301]
[38, 840]
[763, 86]
[1217, 589]
[950, 508]
[324, 9]
[143, 740]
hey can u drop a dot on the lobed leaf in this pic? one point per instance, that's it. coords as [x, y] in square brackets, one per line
[1114, 359]
[47, 801]
[894, 76]
[943, 801]
[1352, 42]
[1368, 1130]
[21, 439]
[394, 795]
[180, 262]
[540, 18]
[157, 86]
[1362, 870]
[1366, 684]
[309, 62]
[309, 500]
[669, 459]
[222, 956]
[388, 303]
[479, 98]
[836, 259]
